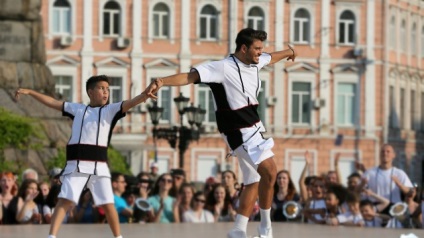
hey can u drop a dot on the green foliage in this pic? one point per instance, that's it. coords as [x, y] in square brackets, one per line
[116, 161]
[17, 131]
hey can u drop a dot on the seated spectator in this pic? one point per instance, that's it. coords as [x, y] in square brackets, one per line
[30, 213]
[178, 179]
[30, 174]
[388, 181]
[144, 187]
[160, 200]
[284, 191]
[154, 169]
[54, 176]
[183, 201]
[118, 187]
[51, 202]
[352, 217]
[354, 182]
[305, 182]
[334, 199]
[219, 203]
[85, 211]
[209, 184]
[11, 203]
[44, 189]
[333, 176]
[197, 213]
[371, 217]
[315, 212]
[229, 180]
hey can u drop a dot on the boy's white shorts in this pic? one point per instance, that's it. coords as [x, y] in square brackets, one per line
[251, 153]
[74, 183]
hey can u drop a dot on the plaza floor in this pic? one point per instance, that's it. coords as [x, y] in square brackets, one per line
[281, 230]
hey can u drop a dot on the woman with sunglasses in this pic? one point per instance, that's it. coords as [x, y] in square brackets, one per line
[197, 213]
[160, 200]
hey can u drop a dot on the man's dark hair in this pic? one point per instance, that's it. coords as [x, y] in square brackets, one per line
[115, 176]
[247, 36]
[93, 80]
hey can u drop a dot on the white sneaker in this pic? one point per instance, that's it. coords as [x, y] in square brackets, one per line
[236, 234]
[265, 232]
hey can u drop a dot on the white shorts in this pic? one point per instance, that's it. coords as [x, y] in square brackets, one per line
[251, 153]
[74, 183]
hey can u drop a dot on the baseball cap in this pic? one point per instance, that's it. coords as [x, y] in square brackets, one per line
[154, 165]
[54, 172]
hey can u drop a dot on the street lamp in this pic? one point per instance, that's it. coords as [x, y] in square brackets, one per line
[182, 134]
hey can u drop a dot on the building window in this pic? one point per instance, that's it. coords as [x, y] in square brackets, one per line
[302, 25]
[422, 111]
[403, 36]
[347, 28]
[392, 33]
[402, 109]
[392, 113]
[256, 19]
[346, 103]
[422, 42]
[301, 102]
[64, 87]
[208, 23]
[61, 17]
[412, 109]
[111, 19]
[262, 102]
[206, 102]
[414, 39]
[161, 21]
[165, 101]
[115, 89]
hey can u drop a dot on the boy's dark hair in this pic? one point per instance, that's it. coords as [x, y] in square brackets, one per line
[247, 36]
[310, 179]
[93, 80]
[353, 175]
[366, 202]
[352, 197]
[339, 191]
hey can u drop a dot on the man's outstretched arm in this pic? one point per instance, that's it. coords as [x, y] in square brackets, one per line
[289, 53]
[44, 99]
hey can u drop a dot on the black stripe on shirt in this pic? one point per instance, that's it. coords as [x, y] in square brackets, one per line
[86, 152]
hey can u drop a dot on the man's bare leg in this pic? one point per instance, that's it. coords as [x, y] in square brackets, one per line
[268, 171]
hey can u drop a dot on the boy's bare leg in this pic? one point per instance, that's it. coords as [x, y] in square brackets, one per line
[112, 218]
[62, 206]
[247, 199]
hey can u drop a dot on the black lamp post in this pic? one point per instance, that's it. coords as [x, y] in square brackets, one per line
[182, 134]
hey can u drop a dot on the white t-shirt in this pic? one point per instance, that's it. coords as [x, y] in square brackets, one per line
[349, 217]
[205, 217]
[380, 182]
[235, 87]
[91, 132]
[317, 204]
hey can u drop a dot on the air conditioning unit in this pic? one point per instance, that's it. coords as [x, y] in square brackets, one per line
[123, 42]
[66, 40]
[318, 103]
[270, 101]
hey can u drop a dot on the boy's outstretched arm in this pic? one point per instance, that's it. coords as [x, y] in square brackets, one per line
[289, 53]
[44, 99]
[173, 80]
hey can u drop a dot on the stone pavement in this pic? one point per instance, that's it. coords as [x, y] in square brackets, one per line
[281, 230]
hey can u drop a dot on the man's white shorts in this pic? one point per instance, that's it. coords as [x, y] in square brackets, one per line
[251, 153]
[74, 183]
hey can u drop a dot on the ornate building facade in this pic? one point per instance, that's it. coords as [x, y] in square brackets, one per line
[359, 76]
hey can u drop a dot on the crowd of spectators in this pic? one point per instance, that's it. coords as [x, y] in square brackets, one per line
[382, 196]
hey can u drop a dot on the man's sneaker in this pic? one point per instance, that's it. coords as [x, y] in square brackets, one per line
[265, 232]
[235, 233]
